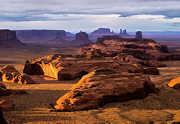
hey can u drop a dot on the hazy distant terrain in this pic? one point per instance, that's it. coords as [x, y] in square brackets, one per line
[50, 36]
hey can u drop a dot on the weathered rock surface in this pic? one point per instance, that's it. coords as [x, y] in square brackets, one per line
[8, 39]
[144, 51]
[175, 83]
[69, 68]
[10, 75]
[102, 86]
[47, 65]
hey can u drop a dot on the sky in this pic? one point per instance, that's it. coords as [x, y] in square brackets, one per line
[88, 15]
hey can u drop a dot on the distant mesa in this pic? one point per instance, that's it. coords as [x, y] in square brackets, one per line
[43, 36]
[60, 38]
[106, 31]
[81, 39]
[8, 39]
[48, 37]
[100, 32]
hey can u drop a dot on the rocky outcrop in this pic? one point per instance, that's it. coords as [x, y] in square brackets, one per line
[47, 65]
[10, 75]
[175, 83]
[8, 39]
[69, 68]
[102, 86]
[114, 46]
[145, 52]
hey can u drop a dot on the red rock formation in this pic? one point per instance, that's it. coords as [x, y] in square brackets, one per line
[102, 86]
[174, 83]
[10, 75]
[68, 68]
[146, 52]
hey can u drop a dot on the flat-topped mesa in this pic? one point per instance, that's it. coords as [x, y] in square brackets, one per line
[8, 38]
[7, 35]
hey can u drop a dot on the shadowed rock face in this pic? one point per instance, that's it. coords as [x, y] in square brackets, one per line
[10, 75]
[2, 119]
[102, 86]
[8, 39]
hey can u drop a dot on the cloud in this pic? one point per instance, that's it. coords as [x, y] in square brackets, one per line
[90, 14]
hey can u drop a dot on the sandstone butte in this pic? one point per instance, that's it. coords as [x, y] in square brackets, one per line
[175, 83]
[9, 74]
[102, 86]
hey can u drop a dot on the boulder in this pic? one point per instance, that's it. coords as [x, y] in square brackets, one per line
[175, 83]
[103, 86]
[10, 75]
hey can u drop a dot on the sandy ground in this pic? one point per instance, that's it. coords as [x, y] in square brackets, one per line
[34, 107]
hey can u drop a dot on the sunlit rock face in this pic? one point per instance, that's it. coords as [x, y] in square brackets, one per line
[174, 83]
[8, 39]
[9, 74]
[102, 86]
[47, 65]
[70, 68]
[110, 46]
[146, 50]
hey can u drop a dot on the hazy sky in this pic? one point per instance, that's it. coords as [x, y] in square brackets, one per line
[87, 15]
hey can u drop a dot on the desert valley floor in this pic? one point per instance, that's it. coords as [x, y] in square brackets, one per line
[35, 106]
